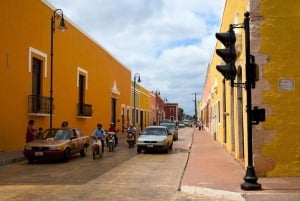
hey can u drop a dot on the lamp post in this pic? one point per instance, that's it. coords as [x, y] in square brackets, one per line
[165, 103]
[137, 78]
[57, 13]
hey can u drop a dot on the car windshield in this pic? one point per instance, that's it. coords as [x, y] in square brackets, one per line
[169, 126]
[49, 133]
[62, 135]
[154, 131]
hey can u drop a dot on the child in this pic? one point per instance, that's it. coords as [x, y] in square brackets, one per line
[39, 134]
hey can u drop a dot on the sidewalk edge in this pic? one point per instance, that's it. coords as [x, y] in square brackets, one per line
[235, 196]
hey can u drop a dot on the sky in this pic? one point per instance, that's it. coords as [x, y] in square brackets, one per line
[169, 43]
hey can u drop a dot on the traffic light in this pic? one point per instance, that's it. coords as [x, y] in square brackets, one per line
[258, 115]
[228, 54]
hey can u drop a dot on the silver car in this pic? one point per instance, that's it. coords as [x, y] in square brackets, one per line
[172, 128]
[155, 138]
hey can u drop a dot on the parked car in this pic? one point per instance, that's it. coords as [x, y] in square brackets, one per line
[172, 128]
[187, 123]
[181, 124]
[155, 138]
[166, 121]
[57, 143]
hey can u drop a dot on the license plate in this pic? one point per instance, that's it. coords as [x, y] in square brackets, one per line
[150, 145]
[38, 153]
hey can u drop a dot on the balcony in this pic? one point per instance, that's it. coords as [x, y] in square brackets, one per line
[85, 110]
[39, 105]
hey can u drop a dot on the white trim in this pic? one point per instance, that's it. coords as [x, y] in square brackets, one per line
[85, 72]
[114, 89]
[40, 53]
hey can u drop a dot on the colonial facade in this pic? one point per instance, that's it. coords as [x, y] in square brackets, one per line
[156, 107]
[273, 36]
[171, 111]
[88, 84]
[141, 105]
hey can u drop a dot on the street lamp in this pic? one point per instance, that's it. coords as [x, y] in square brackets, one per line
[157, 93]
[58, 13]
[137, 78]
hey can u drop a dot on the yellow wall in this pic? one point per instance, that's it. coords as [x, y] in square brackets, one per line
[273, 37]
[142, 105]
[28, 28]
[224, 125]
[280, 33]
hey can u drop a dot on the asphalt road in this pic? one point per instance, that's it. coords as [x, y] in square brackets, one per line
[120, 175]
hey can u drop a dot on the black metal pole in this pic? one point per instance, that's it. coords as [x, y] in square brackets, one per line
[134, 82]
[156, 108]
[51, 68]
[250, 177]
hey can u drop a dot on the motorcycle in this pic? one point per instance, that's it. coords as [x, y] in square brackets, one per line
[97, 147]
[111, 141]
[131, 138]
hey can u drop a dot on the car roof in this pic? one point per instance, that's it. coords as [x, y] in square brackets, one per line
[167, 123]
[156, 127]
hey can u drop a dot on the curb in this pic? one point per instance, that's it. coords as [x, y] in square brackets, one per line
[234, 196]
[11, 160]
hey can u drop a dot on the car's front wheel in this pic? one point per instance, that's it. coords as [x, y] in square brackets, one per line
[138, 150]
[83, 151]
[66, 155]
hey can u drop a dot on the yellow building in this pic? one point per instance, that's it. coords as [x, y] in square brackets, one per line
[141, 106]
[89, 85]
[273, 36]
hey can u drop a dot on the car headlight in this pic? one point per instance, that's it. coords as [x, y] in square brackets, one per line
[54, 148]
[28, 148]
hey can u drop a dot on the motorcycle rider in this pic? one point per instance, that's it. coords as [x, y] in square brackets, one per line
[132, 129]
[112, 128]
[99, 133]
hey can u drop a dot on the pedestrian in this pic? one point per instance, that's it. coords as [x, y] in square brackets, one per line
[65, 124]
[30, 131]
[39, 134]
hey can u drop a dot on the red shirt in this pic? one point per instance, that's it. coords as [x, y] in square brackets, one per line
[30, 134]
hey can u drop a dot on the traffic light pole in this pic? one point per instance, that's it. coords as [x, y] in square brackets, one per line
[250, 179]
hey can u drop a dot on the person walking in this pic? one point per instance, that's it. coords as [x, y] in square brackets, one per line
[30, 136]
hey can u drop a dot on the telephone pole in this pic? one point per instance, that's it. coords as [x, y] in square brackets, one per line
[195, 102]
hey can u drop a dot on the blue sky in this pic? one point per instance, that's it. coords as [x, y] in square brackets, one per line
[168, 42]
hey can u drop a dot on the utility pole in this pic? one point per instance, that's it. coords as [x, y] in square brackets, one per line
[195, 102]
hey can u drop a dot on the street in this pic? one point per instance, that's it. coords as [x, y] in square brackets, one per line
[119, 175]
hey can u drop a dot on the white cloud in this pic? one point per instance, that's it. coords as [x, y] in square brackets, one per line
[169, 42]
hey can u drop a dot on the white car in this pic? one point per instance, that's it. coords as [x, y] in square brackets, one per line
[155, 138]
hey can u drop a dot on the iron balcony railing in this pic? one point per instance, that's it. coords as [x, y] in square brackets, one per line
[85, 110]
[39, 104]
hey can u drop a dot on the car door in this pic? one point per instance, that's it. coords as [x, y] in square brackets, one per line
[73, 142]
[170, 136]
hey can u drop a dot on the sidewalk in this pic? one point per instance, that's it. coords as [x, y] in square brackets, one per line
[7, 157]
[212, 171]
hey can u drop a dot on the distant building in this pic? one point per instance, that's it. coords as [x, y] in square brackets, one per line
[171, 111]
[142, 107]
